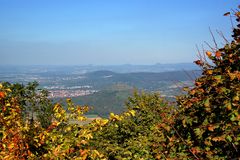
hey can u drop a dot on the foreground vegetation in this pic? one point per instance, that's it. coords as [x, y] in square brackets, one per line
[203, 124]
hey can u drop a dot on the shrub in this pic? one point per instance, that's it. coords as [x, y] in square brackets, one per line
[132, 134]
[208, 121]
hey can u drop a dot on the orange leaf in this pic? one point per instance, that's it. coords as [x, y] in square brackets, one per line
[208, 53]
[201, 90]
[218, 54]
[195, 150]
[83, 152]
[2, 94]
[228, 106]
[193, 91]
[10, 146]
[216, 139]
[209, 72]
[237, 14]
[211, 128]
[29, 153]
[198, 83]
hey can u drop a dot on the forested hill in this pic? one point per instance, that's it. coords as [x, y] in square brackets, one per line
[115, 88]
[140, 80]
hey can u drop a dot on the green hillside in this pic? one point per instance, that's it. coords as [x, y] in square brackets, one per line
[141, 80]
[111, 99]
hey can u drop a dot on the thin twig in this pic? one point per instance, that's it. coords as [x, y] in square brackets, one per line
[199, 53]
[222, 35]
[189, 76]
[204, 56]
[213, 50]
[163, 154]
[178, 87]
[214, 40]
[235, 147]
[230, 17]
[195, 75]
[231, 21]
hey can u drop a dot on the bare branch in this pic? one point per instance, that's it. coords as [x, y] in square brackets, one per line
[189, 76]
[199, 53]
[222, 35]
[204, 55]
[214, 40]
[230, 17]
[179, 87]
[213, 50]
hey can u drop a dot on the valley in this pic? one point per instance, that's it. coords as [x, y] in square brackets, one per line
[105, 91]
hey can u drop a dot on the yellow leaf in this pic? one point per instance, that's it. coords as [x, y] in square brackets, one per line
[228, 106]
[8, 104]
[127, 114]
[89, 136]
[69, 128]
[10, 146]
[132, 112]
[104, 122]
[9, 157]
[81, 118]
[8, 89]
[84, 142]
[184, 123]
[111, 115]
[209, 72]
[236, 98]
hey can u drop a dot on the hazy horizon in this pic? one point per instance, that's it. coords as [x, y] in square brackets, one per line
[135, 32]
[95, 65]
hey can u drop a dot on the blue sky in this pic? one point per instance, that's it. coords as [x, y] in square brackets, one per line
[104, 32]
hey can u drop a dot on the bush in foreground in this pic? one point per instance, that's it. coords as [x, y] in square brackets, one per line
[207, 125]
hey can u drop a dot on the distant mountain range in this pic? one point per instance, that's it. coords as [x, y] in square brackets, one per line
[81, 69]
[99, 77]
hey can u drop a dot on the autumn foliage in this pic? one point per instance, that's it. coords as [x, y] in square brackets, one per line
[209, 115]
[207, 123]
[204, 123]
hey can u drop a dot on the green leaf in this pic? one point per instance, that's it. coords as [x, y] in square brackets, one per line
[229, 138]
[207, 103]
[198, 132]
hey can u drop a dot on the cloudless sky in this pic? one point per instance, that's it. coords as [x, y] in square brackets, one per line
[104, 32]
